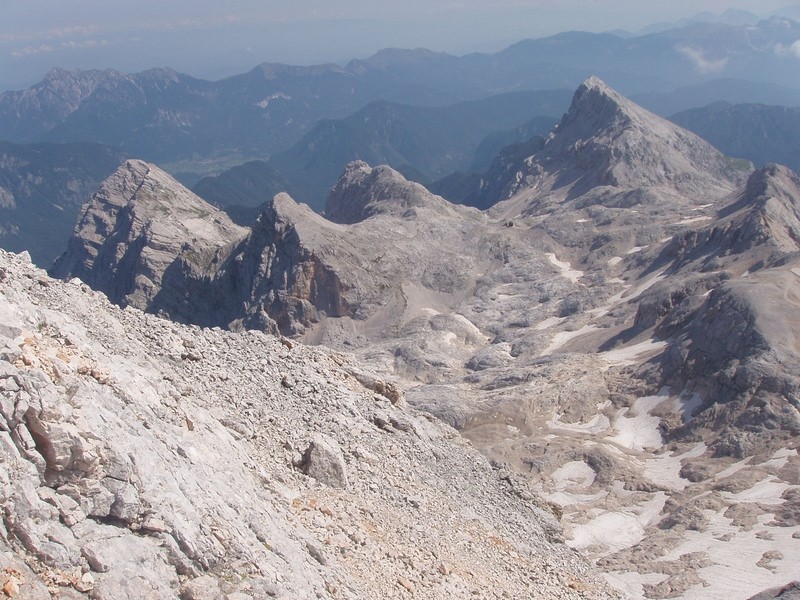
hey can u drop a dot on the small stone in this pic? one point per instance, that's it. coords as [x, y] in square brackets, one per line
[317, 554]
[153, 525]
[324, 462]
[11, 587]
[96, 563]
[85, 583]
[405, 583]
[204, 587]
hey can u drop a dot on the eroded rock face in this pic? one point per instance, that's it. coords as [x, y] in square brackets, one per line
[145, 458]
[364, 191]
[148, 242]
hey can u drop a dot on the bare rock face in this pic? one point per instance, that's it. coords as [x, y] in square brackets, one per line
[760, 225]
[324, 462]
[146, 241]
[363, 191]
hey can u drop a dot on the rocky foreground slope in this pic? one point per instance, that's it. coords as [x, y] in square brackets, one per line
[619, 331]
[142, 458]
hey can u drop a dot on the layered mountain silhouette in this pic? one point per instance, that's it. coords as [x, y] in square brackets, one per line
[170, 116]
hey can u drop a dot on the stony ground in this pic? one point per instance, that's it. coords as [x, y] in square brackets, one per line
[145, 459]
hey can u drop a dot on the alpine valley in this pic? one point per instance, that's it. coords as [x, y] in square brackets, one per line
[582, 380]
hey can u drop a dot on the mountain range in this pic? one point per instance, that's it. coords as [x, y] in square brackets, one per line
[165, 116]
[423, 326]
[616, 330]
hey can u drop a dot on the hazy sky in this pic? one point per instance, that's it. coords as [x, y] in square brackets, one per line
[207, 38]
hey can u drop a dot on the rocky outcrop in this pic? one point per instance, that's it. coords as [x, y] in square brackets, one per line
[146, 458]
[148, 242]
[363, 191]
[758, 228]
[739, 351]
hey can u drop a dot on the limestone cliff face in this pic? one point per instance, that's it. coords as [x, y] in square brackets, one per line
[148, 242]
[760, 225]
[738, 346]
[363, 191]
[282, 276]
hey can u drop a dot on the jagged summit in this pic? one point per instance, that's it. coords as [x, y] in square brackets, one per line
[607, 141]
[773, 181]
[364, 191]
[598, 105]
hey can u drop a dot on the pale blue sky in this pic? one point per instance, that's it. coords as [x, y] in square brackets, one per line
[210, 39]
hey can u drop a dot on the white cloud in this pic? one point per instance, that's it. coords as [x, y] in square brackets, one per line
[703, 64]
[792, 50]
[31, 50]
[73, 45]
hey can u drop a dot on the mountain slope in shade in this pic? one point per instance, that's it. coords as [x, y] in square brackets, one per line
[759, 133]
[29, 114]
[241, 191]
[42, 187]
[428, 141]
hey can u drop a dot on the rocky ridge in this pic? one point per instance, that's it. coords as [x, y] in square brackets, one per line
[146, 458]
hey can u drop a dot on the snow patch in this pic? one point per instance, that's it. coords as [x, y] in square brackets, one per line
[566, 268]
[629, 355]
[266, 101]
[735, 552]
[780, 458]
[665, 469]
[549, 322]
[563, 337]
[618, 530]
[640, 431]
[573, 474]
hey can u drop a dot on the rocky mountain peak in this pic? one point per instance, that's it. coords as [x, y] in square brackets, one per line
[141, 227]
[597, 105]
[607, 141]
[767, 212]
[773, 181]
[363, 191]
